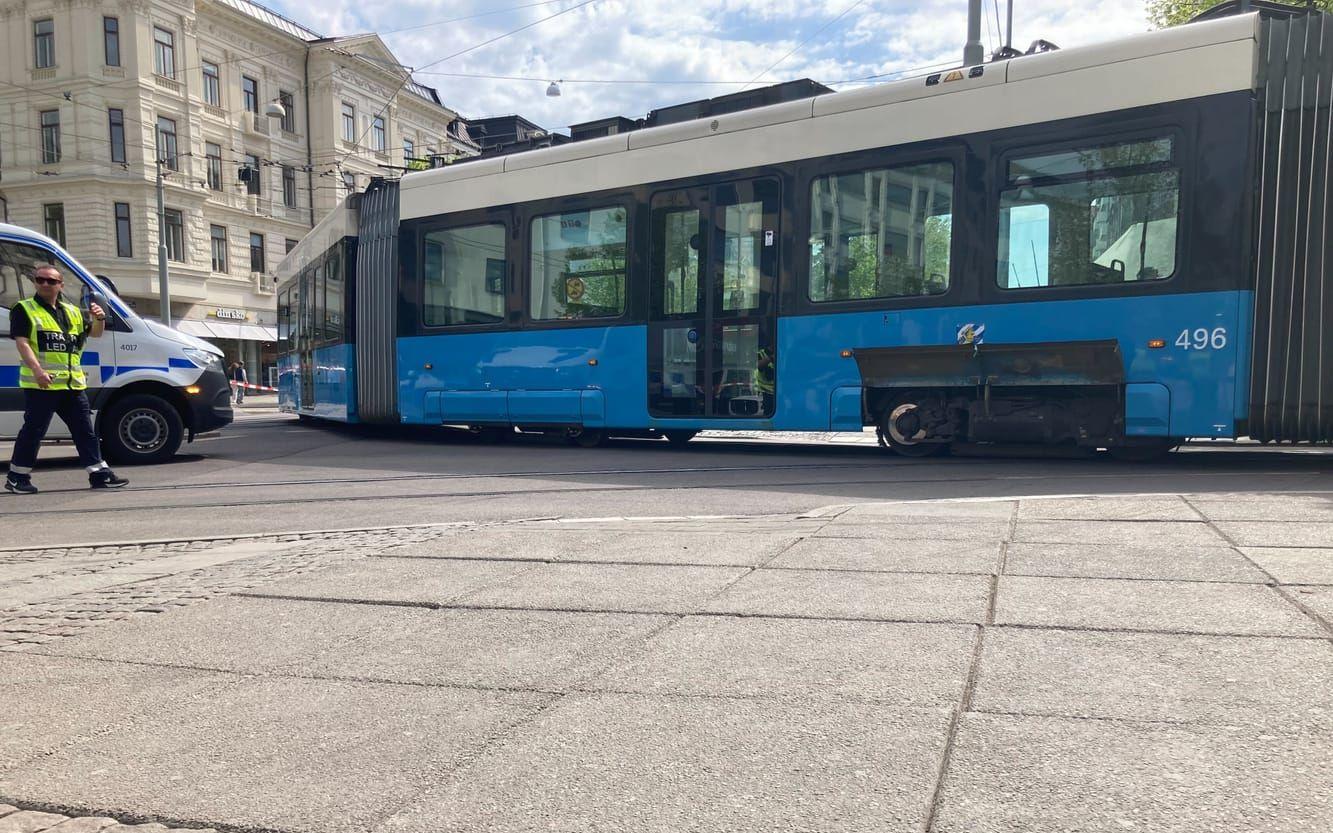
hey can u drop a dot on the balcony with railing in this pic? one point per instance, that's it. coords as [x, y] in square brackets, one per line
[166, 83]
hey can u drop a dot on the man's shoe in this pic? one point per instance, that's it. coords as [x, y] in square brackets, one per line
[20, 484]
[106, 479]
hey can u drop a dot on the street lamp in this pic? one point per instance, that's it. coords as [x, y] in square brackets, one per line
[553, 91]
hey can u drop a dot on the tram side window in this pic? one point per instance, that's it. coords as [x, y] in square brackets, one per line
[578, 265]
[1095, 215]
[464, 275]
[285, 320]
[881, 233]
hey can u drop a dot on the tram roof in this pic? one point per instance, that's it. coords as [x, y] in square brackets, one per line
[1172, 64]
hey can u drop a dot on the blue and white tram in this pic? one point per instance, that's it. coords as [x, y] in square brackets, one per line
[1117, 246]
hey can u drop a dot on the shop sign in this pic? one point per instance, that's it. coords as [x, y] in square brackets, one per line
[229, 314]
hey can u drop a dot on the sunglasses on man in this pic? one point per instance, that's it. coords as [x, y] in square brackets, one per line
[48, 281]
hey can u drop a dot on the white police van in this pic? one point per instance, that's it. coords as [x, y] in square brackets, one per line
[149, 386]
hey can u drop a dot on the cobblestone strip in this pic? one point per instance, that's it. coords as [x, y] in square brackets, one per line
[46, 621]
[14, 820]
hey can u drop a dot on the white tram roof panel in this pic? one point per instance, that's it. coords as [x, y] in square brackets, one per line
[1060, 62]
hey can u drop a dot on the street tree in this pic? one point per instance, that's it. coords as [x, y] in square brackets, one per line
[1163, 13]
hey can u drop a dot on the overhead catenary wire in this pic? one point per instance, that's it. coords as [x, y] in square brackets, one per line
[794, 49]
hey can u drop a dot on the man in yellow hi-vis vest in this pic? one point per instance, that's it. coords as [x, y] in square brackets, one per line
[50, 334]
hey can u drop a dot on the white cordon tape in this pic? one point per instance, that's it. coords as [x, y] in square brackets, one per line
[249, 386]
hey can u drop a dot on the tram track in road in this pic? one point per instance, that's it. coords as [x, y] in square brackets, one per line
[752, 484]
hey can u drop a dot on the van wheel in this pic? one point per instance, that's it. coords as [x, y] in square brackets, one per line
[140, 430]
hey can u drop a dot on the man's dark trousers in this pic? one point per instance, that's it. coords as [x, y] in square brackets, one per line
[72, 407]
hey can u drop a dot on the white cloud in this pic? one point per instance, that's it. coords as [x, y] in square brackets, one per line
[663, 41]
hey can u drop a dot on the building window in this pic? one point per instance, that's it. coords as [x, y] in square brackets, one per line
[252, 184]
[213, 165]
[578, 265]
[50, 137]
[250, 94]
[212, 85]
[464, 275]
[1092, 215]
[116, 122]
[44, 43]
[124, 243]
[111, 40]
[377, 134]
[166, 143]
[175, 223]
[349, 122]
[882, 233]
[288, 245]
[256, 252]
[217, 240]
[288, 102]
[164, 53]
[53, 221]
[349, 182]
[289, 186]
[409, 150]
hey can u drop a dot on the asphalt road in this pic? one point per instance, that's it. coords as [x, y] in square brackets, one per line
[268, 472]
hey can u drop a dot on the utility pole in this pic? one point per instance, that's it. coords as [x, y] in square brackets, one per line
[973, 53]
[1009, 28]
[163, 289]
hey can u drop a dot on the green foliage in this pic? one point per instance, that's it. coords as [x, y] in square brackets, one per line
[1163, 13]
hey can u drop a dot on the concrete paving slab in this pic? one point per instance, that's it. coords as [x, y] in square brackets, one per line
[1219, 563]
[1000, 510]
[420, 581]
[1256, 508]
[1145, 508]
[543, 650]
[48, 702]
[1278, 684]
[607, 587]
[233, 634]
[1318, 599]
[614, 763]
[660, 547]
[963, 529]
[1168, 606]
[889, 555]
[884, 662]
[1278, 533]
[1295, 565]
[1119, 533]
[913, 597]
[339, 755]
[1054, 775]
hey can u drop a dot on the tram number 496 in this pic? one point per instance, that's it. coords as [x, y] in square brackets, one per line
[1202, 339]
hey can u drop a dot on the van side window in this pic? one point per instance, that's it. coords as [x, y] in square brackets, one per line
[17, 261]
[1092, 215]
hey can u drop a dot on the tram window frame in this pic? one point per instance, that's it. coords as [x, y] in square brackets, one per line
[808, 247]
[1177, 163]
[535, 213]
[795, 290]
[420, 233]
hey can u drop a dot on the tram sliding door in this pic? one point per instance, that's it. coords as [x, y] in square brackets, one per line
[306, 336]
[711, 326]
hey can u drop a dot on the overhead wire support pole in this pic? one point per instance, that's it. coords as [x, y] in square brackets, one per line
[1009, 25]
[973, 53]
[163, 288]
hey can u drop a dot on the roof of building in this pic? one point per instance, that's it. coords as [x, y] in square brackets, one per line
[285, 24]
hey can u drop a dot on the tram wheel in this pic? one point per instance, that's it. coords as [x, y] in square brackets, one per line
[492, 433]
[586, 437]
[900, 431]
[680, 436]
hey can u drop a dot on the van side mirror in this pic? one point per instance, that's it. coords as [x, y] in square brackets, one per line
[104, 279]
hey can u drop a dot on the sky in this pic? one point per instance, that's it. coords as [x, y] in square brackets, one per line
[672, 51]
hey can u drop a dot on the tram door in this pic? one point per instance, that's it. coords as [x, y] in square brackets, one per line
[306, 336]
[713, 278]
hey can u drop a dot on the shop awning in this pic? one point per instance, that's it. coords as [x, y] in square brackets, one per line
[221, 329]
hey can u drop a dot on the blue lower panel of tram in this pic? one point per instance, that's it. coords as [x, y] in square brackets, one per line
[1193, 386]
[329, 393]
